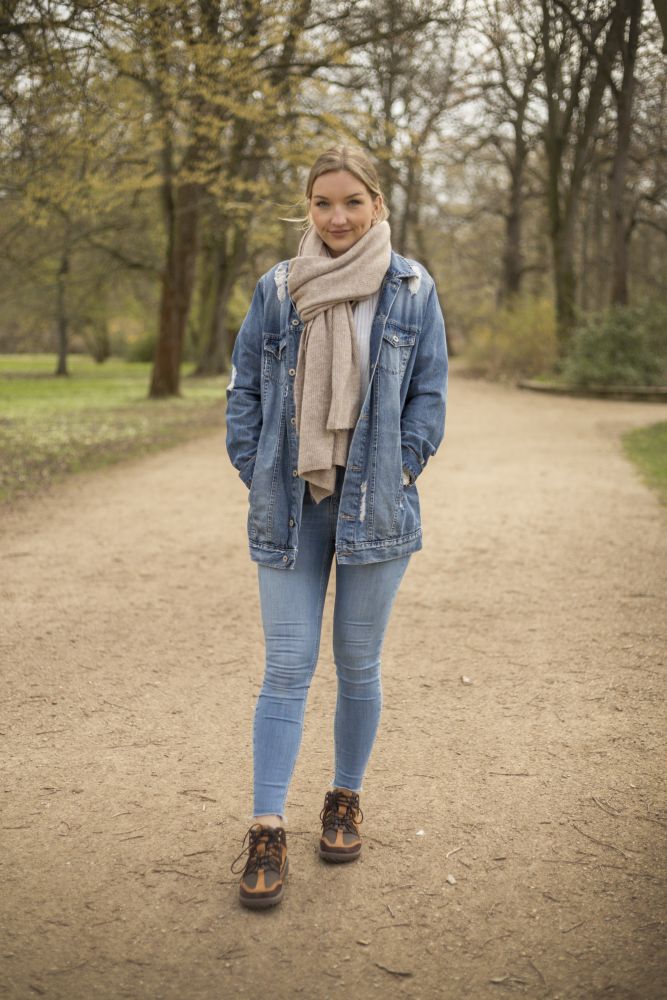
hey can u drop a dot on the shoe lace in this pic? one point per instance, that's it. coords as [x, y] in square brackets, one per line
[264, 849]
[348, 819]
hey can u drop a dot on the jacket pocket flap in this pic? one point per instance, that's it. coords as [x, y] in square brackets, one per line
[274, 343]
[399, 336]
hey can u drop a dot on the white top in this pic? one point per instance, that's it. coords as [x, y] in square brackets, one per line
[363, 311]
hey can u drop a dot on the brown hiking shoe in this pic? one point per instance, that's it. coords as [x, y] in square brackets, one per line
[341, 815]
[263, 878]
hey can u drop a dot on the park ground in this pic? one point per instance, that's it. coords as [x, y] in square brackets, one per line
[515, 816]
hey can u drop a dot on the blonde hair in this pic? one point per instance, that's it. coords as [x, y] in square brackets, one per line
[357, 162]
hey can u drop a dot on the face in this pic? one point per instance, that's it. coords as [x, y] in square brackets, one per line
[342, 209]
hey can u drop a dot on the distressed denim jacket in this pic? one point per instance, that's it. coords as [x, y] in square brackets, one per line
[400, 425]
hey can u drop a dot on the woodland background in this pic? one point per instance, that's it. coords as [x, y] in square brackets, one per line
[150, 150]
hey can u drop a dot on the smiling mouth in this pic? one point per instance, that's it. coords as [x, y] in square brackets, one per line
[343, 233]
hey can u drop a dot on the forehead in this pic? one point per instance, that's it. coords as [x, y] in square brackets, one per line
[338, 183]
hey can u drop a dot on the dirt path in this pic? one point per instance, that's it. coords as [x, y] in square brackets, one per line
[131, 658]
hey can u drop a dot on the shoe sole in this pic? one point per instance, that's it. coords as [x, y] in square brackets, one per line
[265, 902]
[336, 858]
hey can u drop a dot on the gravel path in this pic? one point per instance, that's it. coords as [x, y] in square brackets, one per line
[515, 812]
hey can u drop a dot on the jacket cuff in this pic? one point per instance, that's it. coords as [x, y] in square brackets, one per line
[246, 472]
[411, 463]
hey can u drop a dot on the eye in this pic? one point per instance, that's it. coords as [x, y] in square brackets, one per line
[355, 201]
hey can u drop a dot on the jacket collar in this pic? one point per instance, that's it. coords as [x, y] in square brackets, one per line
[399, 267]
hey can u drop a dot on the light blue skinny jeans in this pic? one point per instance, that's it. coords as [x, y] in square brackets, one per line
[292, 602]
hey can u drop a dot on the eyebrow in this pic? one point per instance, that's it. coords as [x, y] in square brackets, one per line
[355, 195]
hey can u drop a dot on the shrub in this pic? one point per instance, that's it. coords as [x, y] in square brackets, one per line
[517, 340]
[623, 345]
[141, 348]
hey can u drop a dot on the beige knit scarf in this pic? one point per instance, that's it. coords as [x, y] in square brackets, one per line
[326, 389]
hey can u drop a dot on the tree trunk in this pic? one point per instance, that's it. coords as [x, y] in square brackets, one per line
[61, 314]
[211, 266]
[177, 284]
[600, 264]
[620, 224]
[215, 356]
[564, 183]
[222, 271]
[512, 256]
[661, 11]
[585, 254]
[422, 253]
[411, 194]
[565, 285]
[513, 266]
[561, 246]
[248, 153]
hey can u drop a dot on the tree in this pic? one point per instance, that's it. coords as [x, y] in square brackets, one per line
[576, 72]
[507, 70]
[43, 61]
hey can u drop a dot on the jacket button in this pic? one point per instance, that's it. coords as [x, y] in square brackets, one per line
[294, 472]
[395, 339]
[295, 322]
[285, 559]
[292, 371]
[291, 522]
[293, 421]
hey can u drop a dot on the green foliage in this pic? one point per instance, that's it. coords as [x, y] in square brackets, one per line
[141, 348]
[621, 346]
[518, 340]
[647, 447]
[51, 426]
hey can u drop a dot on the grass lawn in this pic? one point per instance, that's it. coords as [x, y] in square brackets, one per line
[99, 414]
[647, 447]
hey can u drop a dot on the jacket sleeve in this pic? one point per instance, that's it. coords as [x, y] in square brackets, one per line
[423, 416]
[244, 402]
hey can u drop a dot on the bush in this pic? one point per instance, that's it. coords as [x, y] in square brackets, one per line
[141, 348]
[622, 346]
[518, 340]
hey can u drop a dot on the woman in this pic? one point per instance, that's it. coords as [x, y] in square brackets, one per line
[335, 404]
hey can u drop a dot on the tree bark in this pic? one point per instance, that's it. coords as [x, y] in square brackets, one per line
[565, 282]
[661, 11]
[221, 271]
[422, 250]
[512, 254]
[621, 224]
[61, 314]
[176, 294]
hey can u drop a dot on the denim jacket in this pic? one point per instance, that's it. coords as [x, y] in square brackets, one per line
[400, 425]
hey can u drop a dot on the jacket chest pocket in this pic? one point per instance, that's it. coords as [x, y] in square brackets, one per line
[398, 342]
[274, 356]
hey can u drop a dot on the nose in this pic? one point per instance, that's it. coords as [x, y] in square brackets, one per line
[338, 218]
